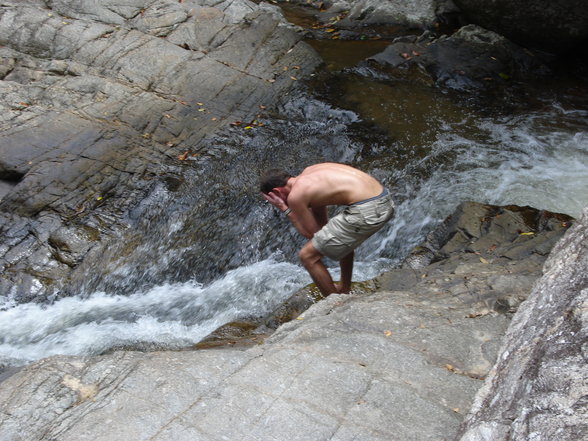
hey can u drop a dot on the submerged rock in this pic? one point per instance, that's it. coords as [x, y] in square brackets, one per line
[471, 59]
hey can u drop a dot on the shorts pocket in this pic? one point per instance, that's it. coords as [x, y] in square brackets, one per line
[375, 214]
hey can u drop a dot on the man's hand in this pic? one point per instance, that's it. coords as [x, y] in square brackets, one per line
[275, 200]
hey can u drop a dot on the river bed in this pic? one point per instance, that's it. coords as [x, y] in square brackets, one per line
[217, 252]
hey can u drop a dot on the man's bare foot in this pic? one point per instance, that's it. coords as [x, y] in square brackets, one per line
[342, 289]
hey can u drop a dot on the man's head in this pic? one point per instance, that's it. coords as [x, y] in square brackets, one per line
[274, 178]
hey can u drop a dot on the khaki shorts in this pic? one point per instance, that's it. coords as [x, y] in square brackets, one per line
[352, 226]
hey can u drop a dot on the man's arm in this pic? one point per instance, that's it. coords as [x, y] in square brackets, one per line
[321, 216]
[303, 218]
[307, 221]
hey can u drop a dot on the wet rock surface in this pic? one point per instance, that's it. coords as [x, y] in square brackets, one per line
[101, 103]
[400, 360]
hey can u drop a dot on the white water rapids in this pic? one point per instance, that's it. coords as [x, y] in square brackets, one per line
[523, 160]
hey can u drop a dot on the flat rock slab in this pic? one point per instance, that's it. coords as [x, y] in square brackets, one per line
[380, 366]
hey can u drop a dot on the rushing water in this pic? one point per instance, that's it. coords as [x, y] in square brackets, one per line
[217, 252]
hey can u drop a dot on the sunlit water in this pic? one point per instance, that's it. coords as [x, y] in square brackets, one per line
[537, 158]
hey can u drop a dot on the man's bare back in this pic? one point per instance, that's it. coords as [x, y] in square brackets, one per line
[333, 184]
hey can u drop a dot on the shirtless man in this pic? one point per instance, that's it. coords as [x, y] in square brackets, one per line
[304, 199]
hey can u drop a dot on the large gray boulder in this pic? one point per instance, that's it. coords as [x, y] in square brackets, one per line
[539, 388]
[544, 24]
[100, 102]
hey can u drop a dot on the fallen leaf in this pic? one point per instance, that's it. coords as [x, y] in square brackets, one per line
[262, 107]
[529, 233]
[483, 260]
[99, 198]
[387, 333]
[330, 30]
[214, 118]
[201, 110]
[449, 367]
[299, 318]
[415, 53]
[247, 127]
[200, 104]
[504, 76]
[294, 78]
[183, 156]
[236, 123]
[405, 56]
[167, 115]
[456, 409]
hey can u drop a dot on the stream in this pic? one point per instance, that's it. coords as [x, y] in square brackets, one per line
[215, 252]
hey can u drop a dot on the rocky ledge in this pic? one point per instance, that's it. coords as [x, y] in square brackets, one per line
[403, 360]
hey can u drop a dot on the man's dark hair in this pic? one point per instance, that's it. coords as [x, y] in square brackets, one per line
[272, 179]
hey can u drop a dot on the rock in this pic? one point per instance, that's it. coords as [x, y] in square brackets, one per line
[538, 387]
[417, 348]
[472, 59]
[552, 26]
[421, 14]
[100, 100]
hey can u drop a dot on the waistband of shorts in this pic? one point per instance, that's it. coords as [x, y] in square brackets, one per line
[381, 195]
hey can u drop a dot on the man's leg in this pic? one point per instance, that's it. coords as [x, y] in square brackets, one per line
[311, 259]
[346, 265]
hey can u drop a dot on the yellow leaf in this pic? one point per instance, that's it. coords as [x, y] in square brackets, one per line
[330, 30]
[99, 198]
[201, 110]
[387, 333]
[299, 318]
[200, 104]
[530, 233]
[449, 367]
[247, 127]
[483, 260]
